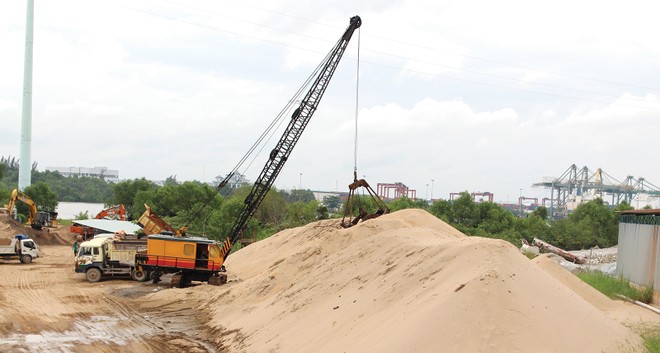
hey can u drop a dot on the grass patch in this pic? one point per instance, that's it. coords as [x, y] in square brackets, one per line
[651, 340]
[611, 286]
[65, 222]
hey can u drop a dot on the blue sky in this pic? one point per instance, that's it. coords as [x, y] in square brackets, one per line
[474, 95]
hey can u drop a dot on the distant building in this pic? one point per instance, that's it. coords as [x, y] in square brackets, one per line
[96, 172]
[235, 181]
[320, 195]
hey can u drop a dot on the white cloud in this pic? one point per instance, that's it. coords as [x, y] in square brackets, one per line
[448, 91]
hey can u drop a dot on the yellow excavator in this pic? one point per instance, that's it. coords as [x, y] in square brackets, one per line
[35, 219]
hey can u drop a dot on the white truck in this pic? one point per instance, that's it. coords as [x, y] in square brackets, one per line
[21, 247]
[109, 255]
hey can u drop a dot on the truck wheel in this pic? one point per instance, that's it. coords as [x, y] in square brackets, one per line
[140, 275]
[26, 259]
[155, 276]
[93, 274]
[177, 280]
[218, 279]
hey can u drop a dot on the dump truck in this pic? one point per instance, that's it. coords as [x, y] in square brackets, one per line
[151, 223]
[110, 255]
[21, 247]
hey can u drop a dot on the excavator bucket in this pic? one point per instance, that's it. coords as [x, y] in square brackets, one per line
[354, 205]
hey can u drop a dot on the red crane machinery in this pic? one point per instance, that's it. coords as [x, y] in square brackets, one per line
[454, 195]
[400, 190]
[546, 200]
[483, 194]
[523, 198]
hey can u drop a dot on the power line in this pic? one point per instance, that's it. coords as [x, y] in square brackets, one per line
[512, 88]
[405, 58]
[243, 20]
[489, 60]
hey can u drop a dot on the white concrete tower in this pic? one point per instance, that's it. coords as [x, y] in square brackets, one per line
[25, 165]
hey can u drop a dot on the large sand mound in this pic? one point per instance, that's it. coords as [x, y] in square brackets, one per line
[404, 282]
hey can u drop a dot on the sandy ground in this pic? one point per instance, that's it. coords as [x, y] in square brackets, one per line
[46, 307]
[401, 283]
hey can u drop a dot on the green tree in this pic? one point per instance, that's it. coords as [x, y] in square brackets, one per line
[5, 194]
[273, 209]
[624, 206]
[220, 222]
[465, 211]
[322, 212]
[405, 202]
[81, 215]
[126, 193]
[597, 219]
[442, 209]
[569, 235]
[41, 194]
[532, 227]
[493, 218]
[301, 213]
[299, 195]
[540, 212]
[332, 202]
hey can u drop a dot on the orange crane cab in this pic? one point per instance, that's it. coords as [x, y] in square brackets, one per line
[192, 258]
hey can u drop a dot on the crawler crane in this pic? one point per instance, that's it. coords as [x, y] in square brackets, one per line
[202, 260]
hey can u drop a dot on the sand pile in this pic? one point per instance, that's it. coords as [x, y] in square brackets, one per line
[404, 282]
[9, 228]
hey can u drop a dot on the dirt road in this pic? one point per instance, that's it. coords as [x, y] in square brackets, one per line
[388, 285]
[46, 307]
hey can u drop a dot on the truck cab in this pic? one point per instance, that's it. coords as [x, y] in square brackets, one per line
[21, 247]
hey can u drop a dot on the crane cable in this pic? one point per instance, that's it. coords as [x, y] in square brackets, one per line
[262, 140]
[357, 89]
[357, 105]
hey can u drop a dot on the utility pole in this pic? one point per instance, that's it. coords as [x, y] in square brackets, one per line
[432, 180]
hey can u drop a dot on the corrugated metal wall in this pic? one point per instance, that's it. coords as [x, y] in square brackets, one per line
[638, 257]
[656, 283]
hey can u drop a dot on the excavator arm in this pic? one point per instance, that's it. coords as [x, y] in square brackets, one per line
[113, 212]
[17, 195]
[280, 154]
